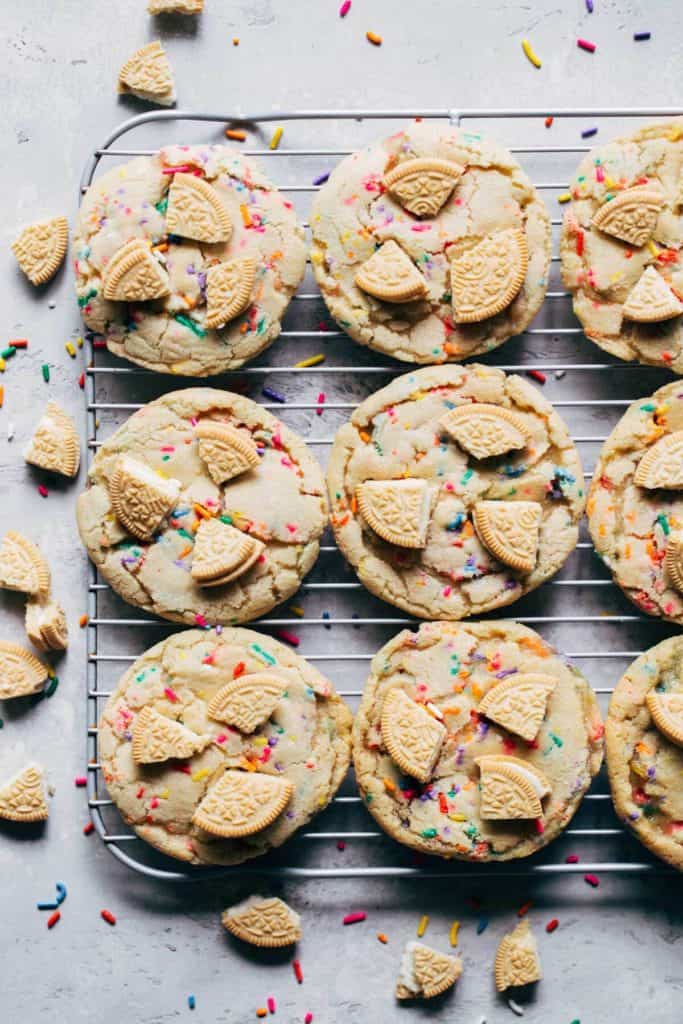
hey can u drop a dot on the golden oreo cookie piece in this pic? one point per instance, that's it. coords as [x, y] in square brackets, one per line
[175, 6]
[509, 529]
[426, 973]
[158, 738]
[667, 714]
[517, 961]
[46, 626]
[661, 467]
[485, 430]
[148, 75]
[195, 210]
[390, 275]
[673, 560]
[134, 275]
[519, 703]
[55, 444]
[631, 215]
[22, 566]
[510, 788]
[222, 553]
[21, 673]
[486, 276]
[41, 248]
[651, 299]
[397, 510]
[263, 921]
[23, 797]
[247, 702]
[226, 451]
[228, 291]
[140, 497]
[413, 738]
[242, 803]
[423, 185]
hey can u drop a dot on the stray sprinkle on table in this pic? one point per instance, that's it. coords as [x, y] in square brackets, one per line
[422, 925]
[530, 54]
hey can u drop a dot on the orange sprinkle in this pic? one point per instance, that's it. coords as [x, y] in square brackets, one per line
[364, 436]
[389, 785]
[161, 247]
[185, 552]
[236, 134]
[373, 38]
[201, 511]
[235, 41]
[382, 938]
[83, 621]
[354, 505]
[2, 396]
[535, 645]
[246, 218]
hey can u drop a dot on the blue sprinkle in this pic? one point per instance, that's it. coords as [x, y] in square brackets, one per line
[61, 892]
[588, 133]
[321, 179]
[191, 1002]
[275, 396]
[482, 925]
[640, 37]
[326, 617]
[47, 906]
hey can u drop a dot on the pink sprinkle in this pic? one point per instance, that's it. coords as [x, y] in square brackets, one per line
[599, 173]
[168, 448]
[321, 402]
[42, 490]
[289, 638]
[170, 695]
[308, 1019]
[265, 756]
[271, 1004]
[572, 858]
[80, 780]
[193, 421]
[583, 44]
[447, 591]
[354, 918]
[539, 826]
[343, 11]
[180, 169]
[592, 880]
[200, 620]
[222, 738]
[154, 803]
[341, 845]
[421, 227]
[292, 527]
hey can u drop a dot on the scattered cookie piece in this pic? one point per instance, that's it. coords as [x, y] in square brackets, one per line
[661, 467]
[631, 215]
[23, 797]
[21, 673]
[228, 291]
[46, 626]
[397, 510]
[134, 275]
[55, 444]
[510, 788]
[390, 275]
[222, 553]
[485, 430]
[141, 498]
[242, 803]
[247, 702]
[22, 566]
[412, 737]
[423, 185]
[195, 210]
[41, 248]
[175, 6]
[509, 529]
[486, 276]
[158, 738]
[667, 714]
[426, 973]
[519, 703]
[225, 451]
[148, 75]
[263, 921]
[517, 961]
[651, 299]
[673, 560]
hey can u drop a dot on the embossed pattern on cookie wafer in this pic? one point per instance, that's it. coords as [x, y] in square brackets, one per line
[509, 529]
[228, 291]
[247, 702]
[486, 276]
[21, 673]
[55, 444]
[46, 626]
[390, 275]
[673, 560]
[510, 788]
[397, 510]
[226, 451]
[263, 921]
[147, 73]
[519, 703]
[242, 803]
[222, 553]
[651, 299]
[667, 714]
[134, 275]
[175, 6]
[22, 566]
[195, 210]
[140, 498]
[662, 464]
[485, 430]
[41, 248]
[631, 215]
[517, 961]
[422, 185]
[413, 738]
[158, 738]
[426, 973]
[23, 797]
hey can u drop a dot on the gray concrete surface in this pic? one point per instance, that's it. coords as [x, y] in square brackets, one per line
[616, 953]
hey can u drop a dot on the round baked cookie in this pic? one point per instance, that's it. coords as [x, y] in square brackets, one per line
[644, 745]
[431, 245]
[435, 764]
[621, 243]
[185, 261]
[455, 490]
[203, 507]
[635, 503]
[209, 734]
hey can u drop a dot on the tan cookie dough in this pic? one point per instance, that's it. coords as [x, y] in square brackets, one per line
[305, 741]
[645, 766]
[354, 213]
[168, 333]
[636, 529]
[156, 574]
[602, 269]
[397, 434]
[447, 668]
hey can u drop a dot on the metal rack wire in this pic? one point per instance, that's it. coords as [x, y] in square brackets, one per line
[335, 634]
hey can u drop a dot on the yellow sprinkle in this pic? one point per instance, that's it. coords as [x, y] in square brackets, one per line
[259, 741]
[3, 365]
[70, 349]
[458, 817]
[674, 133]
[422, 926]
[653, 248]
[564, 198]
[199, 775]
[275, 141]
[79, 342]
[610, 182]
[297, 610]
[164, 795]
[246, 219]
[311, 361]
[529, 53]
[453, 934]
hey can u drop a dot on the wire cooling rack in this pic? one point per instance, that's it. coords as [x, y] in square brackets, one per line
[342, 626]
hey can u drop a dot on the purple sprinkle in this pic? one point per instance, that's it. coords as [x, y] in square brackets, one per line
[190, 268]
[219, 630]
[589, 6]
[588, 133]
[639, 37]
[510, 585]
[321, 179]
[272, 741]
[506, 672]
[633, 816]
[274, 395]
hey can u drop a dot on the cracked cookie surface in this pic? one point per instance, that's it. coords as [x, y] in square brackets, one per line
[355, 212]
[305, 740]
[448, 668]
[397, 433]
[157, 574]
[168, 334]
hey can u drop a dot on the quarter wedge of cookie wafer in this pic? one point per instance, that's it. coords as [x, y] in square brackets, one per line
[40, 249]
[22, 566]
[228, 291]
[264, 921]
[46, 625]
[422, 185]
[222, 553]
[487, 275]
[22, 798]
[517, 960]
[141, 498]
[158, 738]
[426, 973]
[519, 703]
[651, 299]
[413, 738]
[485, 430]
[630, 215]
[55, 445]
[21, 672]
[389, 274]
[226, 451]
[241, 803]
[661, 467]
[148, 75]
[196, 210]
[247, 702]
[397, 510]
[134, 275]
[510, 788]
[510, 531]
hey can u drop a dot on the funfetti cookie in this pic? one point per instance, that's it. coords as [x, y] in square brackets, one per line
[455, 490]
[635, 504]
[644, 740]
[431, 245]
[179, 514]
[201, 784]
[186, 260]
[621, 242]
[439, 755]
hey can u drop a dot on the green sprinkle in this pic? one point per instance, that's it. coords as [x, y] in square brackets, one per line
[186, 321]
[226, 519]
[141, 677]
[471, 832]
[263, 655]
[556, 740]
[8, 352]
[2, 723]
[664, 523]
[46, 373]
[185, 533]
[162, 205]
[466, 477]
[51, 686]
[165, 458]
[83, 300]
[368, 798]
[429, 833]
[648, 407]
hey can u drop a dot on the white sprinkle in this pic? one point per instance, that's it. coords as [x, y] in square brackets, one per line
[10, 431]
[515, 1007]
[559, 374]
[51, 305]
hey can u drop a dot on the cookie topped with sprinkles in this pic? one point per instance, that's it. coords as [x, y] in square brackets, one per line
[203, 508]
[185, 261]
[431, 245]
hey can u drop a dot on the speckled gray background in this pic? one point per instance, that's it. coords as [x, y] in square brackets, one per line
[616, 953]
